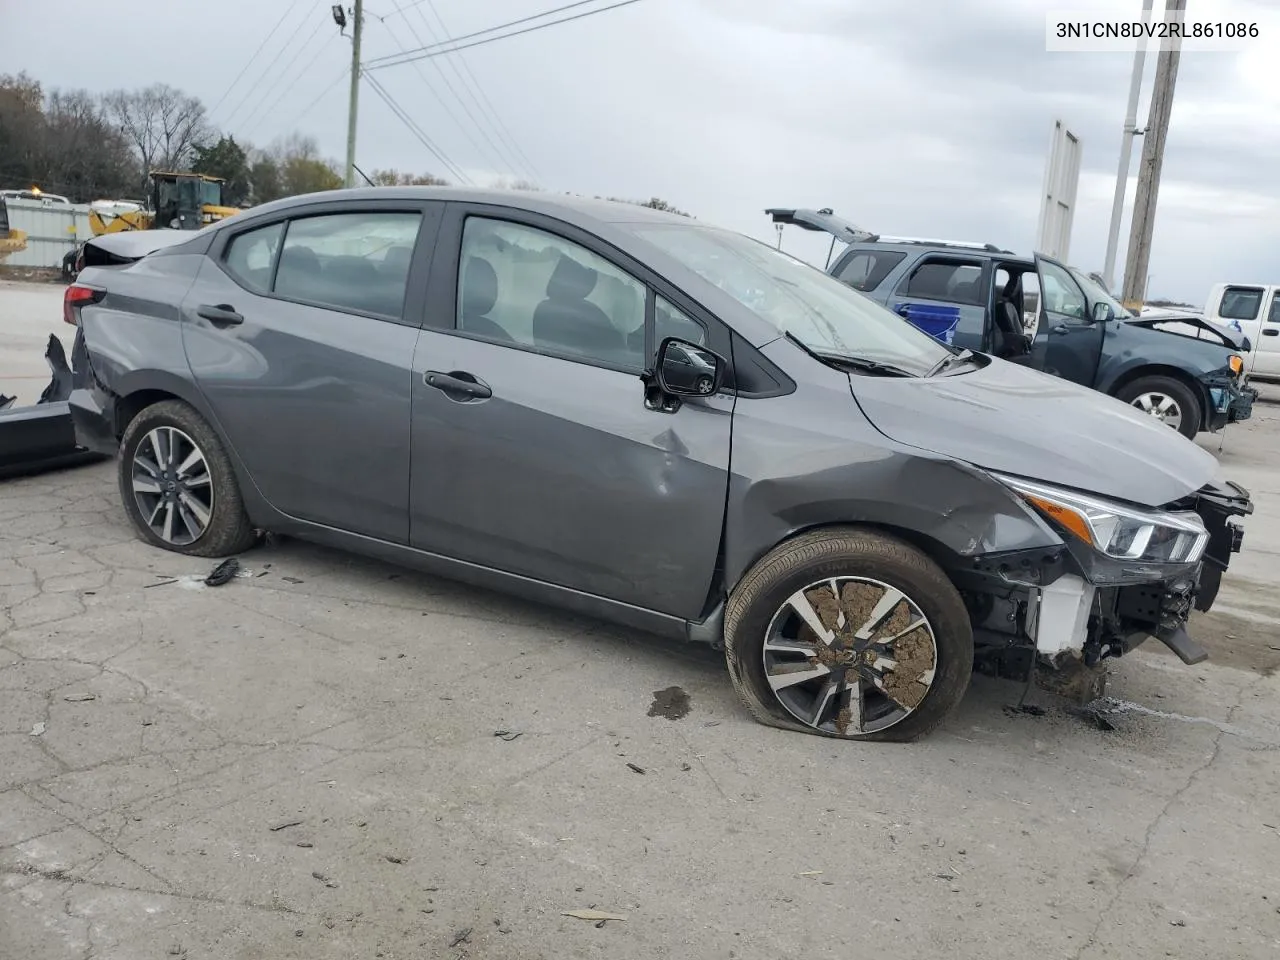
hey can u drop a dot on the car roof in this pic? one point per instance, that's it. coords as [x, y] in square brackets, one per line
[582, 211]
[911, 245]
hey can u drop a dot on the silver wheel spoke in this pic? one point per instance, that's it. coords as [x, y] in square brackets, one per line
[194, 458]
[168, 520]
[823, 700]
[148, 466]
[148, 485]
[189, 520]
[787, 675]
[197, 509]
[801, 605]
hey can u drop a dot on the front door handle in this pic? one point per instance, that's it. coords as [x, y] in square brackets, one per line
[1271, 332]
[1061, 329]
[457, 385]
[220, 314]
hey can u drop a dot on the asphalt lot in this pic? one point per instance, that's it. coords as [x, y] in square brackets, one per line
[303, 764]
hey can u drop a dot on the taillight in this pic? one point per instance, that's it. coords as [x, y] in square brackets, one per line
[75, 297]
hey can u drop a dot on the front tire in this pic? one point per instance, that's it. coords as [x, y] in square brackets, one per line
[1168, 400]
[177, 484]
[848, 633]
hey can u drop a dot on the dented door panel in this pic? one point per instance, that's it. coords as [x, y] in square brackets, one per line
[565, 476]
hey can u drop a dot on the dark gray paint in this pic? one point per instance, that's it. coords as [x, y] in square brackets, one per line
[563, 486]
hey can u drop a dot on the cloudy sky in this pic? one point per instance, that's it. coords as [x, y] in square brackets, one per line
[917, 117]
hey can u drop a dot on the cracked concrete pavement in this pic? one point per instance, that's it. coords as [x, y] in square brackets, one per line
[302, 764]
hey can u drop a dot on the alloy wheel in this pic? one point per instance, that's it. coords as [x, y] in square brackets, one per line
[172, 486]
[1161, 406]
[850, 655]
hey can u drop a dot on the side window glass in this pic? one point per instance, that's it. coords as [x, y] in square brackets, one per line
[670, 321]
[349, 261]
[949, 281]
[1240, 303]
[1062, 295]
[250, 256]
[1274, 315]
[521, 285]
[866, 269]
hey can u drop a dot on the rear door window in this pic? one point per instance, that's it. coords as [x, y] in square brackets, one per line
[349, 261]
[953, 281]
[1241, 303]
[251, 256]
[866, 269]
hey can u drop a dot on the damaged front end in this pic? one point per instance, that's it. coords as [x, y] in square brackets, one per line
[41, 436]
[1120, 577]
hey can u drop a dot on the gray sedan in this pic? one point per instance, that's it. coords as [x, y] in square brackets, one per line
[650, 420]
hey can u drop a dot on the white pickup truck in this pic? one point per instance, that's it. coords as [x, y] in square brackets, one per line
[1252, 309]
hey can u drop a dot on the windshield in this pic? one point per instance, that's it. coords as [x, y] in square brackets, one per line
[824, 314]
[1097, 293]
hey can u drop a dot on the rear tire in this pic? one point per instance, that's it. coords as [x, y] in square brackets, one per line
[1155, 394]
[177, 484]
[897, 683]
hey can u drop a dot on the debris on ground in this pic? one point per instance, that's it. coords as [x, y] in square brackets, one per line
[1095, 715]
[809, 873]
[685, 767]
[160, 583]
[392, 858]
[1030, 709]
[305, 843]
[592, 915]
[281, 824]
[291, 580]
[37, 729]
[80, 697]
[637, 769]
[461, 937]
[224, 572]
[323, 879]
[507, 735]
[672, 703]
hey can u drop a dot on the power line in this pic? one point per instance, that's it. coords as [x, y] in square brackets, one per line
[286, 89]
[501, 128]
[248, 122]
[441, 100]
[249, 62]
[417, 131]
[255, 87]
[433, 50]
[320, 96]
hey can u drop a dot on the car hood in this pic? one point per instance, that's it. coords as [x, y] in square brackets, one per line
[1233, 337]
[1010, 419]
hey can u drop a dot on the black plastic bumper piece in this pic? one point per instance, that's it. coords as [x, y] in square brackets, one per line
[1188, 651]
[39, 437]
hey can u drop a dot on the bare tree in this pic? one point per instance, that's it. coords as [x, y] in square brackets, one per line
[163, 124]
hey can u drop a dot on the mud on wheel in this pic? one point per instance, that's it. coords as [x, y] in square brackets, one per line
[849, 633]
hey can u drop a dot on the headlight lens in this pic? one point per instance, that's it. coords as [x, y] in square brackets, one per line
[1119, 531]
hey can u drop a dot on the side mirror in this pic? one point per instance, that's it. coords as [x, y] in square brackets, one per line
[688, 370]
[1103, 313]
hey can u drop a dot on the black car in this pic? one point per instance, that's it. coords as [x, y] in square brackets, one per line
[983, 297]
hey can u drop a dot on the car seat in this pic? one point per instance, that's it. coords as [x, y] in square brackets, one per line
[567, 321]
[479, 296]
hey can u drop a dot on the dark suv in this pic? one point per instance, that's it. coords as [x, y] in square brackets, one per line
[1046, 315]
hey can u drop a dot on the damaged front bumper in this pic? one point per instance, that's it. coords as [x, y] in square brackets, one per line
[1078, 610]
[1229, 402]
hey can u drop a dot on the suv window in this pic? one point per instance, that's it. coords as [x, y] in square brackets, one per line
[349, 261]
[1240, 303]
[954, 281]
[866, 269]
[1061, 294]
[522, 285]
[1273, 316]
[250, 256]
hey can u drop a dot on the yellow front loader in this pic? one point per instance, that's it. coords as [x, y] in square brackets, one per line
[178, 201]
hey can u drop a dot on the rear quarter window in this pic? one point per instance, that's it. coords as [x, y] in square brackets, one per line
[250, 256]
[865, 270]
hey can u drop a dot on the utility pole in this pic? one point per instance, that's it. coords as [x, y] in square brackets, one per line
[1126, 150]
[357, 28]
[1144, 203]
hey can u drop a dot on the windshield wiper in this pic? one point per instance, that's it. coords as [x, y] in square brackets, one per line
[949, 361]
[848, 360]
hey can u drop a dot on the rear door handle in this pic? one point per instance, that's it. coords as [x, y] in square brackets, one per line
[1272, 332]
[457, 384]
[220, 315]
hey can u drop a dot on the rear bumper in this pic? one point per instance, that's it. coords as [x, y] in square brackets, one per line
[92, 418]
[37, 438]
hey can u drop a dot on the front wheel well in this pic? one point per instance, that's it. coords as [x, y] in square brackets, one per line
[1162, 370]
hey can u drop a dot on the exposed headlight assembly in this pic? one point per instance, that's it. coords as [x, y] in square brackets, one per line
[1116, 530]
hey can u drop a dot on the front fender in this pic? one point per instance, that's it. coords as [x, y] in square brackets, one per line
[1127, 349]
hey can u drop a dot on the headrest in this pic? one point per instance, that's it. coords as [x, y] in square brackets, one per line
[570, 280]
[479, 287]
